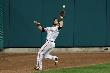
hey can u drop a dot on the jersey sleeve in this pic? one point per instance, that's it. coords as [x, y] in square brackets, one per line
[47, 28]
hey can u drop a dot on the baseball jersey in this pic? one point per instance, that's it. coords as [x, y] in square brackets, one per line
[52, 33]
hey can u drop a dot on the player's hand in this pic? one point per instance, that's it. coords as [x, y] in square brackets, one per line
[37, 23]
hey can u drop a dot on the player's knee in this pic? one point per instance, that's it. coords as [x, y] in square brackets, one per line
[46, 56]
[38, 53]
[42, 53]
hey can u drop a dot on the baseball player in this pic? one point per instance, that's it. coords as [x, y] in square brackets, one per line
[52, 33]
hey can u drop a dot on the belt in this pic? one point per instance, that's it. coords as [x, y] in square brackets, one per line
[50, 40]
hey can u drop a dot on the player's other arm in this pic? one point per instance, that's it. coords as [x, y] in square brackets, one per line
[39, 26]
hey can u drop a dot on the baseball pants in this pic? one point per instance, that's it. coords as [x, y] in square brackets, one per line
[44, 52]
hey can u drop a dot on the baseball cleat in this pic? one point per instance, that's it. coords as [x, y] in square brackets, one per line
[37, 68]
[56, 61]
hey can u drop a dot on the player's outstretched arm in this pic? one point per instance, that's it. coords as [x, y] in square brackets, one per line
[61, 18]
[39, 26]
[61, 22]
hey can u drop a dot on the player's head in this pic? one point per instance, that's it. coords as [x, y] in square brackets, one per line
[55, 22]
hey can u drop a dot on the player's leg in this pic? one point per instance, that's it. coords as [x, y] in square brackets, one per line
[51, 57]
[48, 56]
[42, 53]
[40, 56]
[39, 61]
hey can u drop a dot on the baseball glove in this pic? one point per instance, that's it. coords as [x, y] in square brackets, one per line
[62, 13]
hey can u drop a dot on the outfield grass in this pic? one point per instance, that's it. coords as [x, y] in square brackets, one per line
[101, 68]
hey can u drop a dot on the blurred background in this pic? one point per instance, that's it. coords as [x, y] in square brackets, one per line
[86, 23]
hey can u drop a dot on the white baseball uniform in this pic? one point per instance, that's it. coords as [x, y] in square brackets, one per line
[44, 52]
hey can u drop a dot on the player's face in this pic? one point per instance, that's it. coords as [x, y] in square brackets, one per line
[56, 21]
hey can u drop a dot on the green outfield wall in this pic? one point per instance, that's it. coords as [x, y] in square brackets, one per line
[86, 23]
[1, 24]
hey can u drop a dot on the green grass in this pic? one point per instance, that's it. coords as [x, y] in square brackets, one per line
[101, 68]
